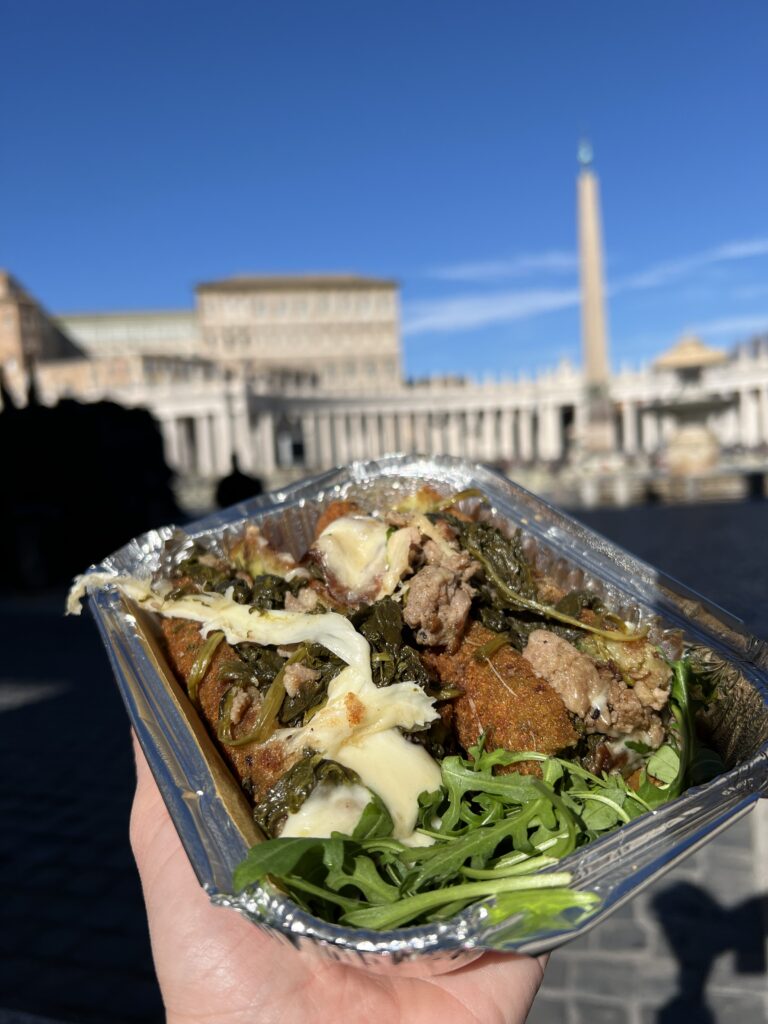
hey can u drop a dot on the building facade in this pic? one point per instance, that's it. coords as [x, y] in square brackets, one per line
[295, 375]
[336, 332]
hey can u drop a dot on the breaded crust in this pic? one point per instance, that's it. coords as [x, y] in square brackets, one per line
[503, 698]
[257, 765]
[335, 510]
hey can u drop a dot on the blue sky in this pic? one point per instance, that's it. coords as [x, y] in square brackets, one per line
[151, 145]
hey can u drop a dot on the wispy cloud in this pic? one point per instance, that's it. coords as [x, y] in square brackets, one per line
[553, 262]
[467, 312]
[471, 311]
[666, 273]
[747, 324]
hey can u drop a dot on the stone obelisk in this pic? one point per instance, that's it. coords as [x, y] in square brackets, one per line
[597, 432]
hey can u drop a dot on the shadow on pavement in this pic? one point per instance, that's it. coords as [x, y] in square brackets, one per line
[698, 929]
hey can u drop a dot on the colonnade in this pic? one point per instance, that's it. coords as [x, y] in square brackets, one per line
[333, 435]
[271, 432]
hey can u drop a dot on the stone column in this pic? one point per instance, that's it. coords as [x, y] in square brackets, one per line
[650, 431]
[405, 431]
[629, 424]
[390, 436]
[203, 448]
[507, 439]
[558, 440]
[490, 445]
[371, 435]
[186, 463]
[454, 445]
[356, 438]
[222, 437]
[243, 446]
[435, 433]
[749, 423]
[763, 401]
[549, 442]
[265, 431]
[526, 434]
[325, 457]
[309, 441]
[284, 444]
[580, 412]
[170, 430]
[421, 425]
[340, 438]
[470, 436]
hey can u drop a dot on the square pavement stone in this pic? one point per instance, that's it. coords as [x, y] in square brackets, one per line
[599, 974]
[593, 1012]
[621, 937]
[681, 1011]
[556, 974]
[577, 947]
[736, 1006]
[743, 968]
[658, 980]
[548, 1011]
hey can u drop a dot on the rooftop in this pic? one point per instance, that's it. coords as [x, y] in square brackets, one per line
[127, 314]
[689, 353]
[293, 282]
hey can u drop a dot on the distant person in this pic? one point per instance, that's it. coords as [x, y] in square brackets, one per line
[79, 481]
[237, 487]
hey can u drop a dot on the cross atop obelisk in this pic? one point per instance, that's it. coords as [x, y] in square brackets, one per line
[598, 435]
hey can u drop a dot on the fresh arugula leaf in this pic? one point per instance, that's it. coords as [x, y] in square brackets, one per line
[406, 910]
[364, 877]
[375, 821]
[664, 764]
[278, 857]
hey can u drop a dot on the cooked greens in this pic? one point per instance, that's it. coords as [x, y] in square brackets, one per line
[392, 658]
[509, 575]
[291, 791]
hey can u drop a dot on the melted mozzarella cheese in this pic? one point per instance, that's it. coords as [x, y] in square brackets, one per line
[328, 809]
[364, 559]
[353, 550]
[398, 771]
[398, 560]
[359, 726]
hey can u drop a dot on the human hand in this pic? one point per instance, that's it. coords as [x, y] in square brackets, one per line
[215, 967]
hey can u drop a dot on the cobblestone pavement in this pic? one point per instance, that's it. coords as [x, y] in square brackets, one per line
[73, 942]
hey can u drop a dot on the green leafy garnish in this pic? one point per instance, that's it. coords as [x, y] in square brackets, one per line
[202, 663]
[509, 573]
[393, 659]
[493, 834]
[291, 790]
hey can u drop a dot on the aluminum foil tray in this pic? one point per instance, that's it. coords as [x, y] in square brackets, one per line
[214, 820]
